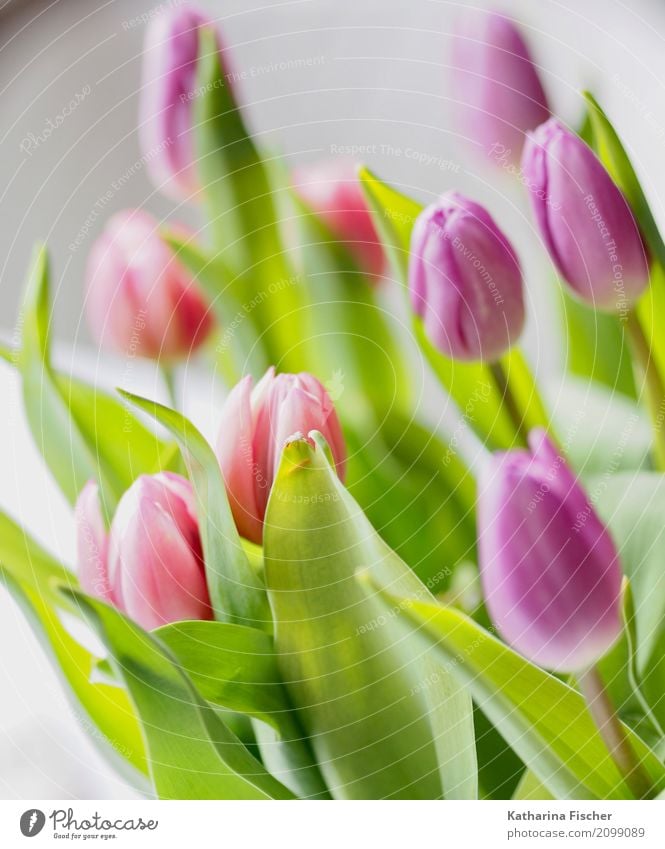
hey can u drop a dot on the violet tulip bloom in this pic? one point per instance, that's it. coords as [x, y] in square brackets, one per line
[140, 300]
[549, 569]
[331, 189]
[584, 219]
[465, 280]
[496, 84]
[168, 94]
[256, 423]
[150, 563]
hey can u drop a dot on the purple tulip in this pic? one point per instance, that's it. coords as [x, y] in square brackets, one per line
[549, 569]
[585, 221]
[168, 94]
[465, 280]
[496, 85]
[150, 563]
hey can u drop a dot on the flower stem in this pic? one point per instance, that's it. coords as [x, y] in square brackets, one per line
[650, 382]
[168, 373]
[510, 404]
[614, 734]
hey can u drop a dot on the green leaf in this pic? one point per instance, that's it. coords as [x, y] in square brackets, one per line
[191, 753]
[633, 505]
[235, 667]
[236, 591]
[394, 215]
[417, 493]
[531, 789]
[239, 350]
[242, 212]
[98, 707]
[612, 153]
[471, 385]
[596, 347]
[232, 666]
[81, 432]
[544, 720]
[384, 721]
[353, 334]
[27, 562]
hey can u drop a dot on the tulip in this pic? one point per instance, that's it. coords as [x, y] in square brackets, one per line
[150, 563]
[465, 280]
[167, 101]
[140, 300]
[548, 566]
[332, 190]
[496, 85]
[256, 423]
[584, 219]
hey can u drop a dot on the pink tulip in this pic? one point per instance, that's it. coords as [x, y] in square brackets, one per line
[140, 300]
[331, 189]
[255, 425]
[168, 97]
[150, 563]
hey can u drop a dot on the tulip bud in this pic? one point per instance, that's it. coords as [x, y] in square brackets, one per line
[150, 564]
[256, 424]
[331, 189]
[549, 569]
[140, 300]
[465, 280]
[584, 219]
[167, 100]
[497, 86]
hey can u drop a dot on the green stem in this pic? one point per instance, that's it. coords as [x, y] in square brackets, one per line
[614, 734]
[168, 373]
[508, 398]
[649, 382]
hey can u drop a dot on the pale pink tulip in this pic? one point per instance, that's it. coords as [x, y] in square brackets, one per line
[332, 190]
[150, 564]
[140, 300]
[255, 425]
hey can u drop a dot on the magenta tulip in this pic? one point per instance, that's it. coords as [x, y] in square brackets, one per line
[140, 300]
[168, 94]
[465, 280]
[255, 425]
[549, 569]
[150, 563]
[585, 221]
[331, 189]
[496, 85]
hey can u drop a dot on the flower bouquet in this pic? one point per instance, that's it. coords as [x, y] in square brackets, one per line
[340, 598]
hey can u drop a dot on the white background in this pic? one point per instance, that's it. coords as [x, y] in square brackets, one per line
[380, 77]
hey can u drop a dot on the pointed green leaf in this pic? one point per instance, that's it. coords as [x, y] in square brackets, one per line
[103, 710]
[235, 667]
[384, 721]
[81, 431]
[191, 753]
[544, 720]
[417, 493]
[236, 591]
[242, 212]
[611, 151]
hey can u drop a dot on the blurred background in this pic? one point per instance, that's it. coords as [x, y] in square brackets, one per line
[319, 78]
